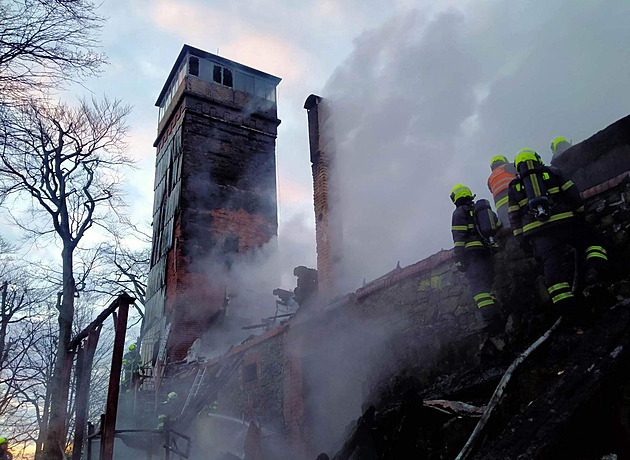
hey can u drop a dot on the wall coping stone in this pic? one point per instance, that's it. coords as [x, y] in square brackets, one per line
[605, 186]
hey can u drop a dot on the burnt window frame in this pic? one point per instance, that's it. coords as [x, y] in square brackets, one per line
[193, 64]
[222, 75]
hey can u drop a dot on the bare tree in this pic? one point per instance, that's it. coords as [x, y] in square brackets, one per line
[125, 269]
[30, 402]
[22, 330]
[44, 43]
[67, 161]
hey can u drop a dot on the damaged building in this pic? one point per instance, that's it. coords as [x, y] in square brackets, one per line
[214, 194]
[399, 368]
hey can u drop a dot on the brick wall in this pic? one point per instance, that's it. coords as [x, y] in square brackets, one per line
[260, 399]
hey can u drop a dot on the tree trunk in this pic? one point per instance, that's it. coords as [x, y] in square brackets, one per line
[54, 446]
[4, 321]
[43, 424]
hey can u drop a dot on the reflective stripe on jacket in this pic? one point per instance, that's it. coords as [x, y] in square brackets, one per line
[565, 203]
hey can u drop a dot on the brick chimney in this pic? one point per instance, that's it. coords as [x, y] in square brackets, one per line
[328, 223]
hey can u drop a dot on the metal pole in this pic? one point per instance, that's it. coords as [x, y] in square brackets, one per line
[79, 401]
[167, 444]
[111, 409]
[85, 358]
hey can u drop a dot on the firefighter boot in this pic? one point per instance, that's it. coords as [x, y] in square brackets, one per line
[493, 318]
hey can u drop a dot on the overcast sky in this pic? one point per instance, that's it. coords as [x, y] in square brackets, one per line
[426, 93]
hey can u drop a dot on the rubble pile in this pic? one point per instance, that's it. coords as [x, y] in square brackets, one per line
[570, 398]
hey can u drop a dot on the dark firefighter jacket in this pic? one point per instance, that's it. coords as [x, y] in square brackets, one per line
[465, 235]
[566, 204]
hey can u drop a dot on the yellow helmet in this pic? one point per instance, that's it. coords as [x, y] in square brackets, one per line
[132, 347]
[556, 141]
[526, 155]
[497, 158]
[3, 440]
[460, 191]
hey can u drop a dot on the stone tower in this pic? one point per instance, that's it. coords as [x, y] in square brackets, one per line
[214, 193]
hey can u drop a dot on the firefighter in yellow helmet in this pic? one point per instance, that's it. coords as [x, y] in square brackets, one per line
[503, 172]
[131, 367]
[473, 254]
[558, 146]
[168, 412]
[4, 452]
[546, 213]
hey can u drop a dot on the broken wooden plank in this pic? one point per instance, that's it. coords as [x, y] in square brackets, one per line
[475, 437]
[592, 369]
[455, 407]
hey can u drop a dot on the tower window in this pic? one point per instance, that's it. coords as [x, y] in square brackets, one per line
[193, 66]
[216, 74]
[227, 77]
[230, 244]
[222, 75]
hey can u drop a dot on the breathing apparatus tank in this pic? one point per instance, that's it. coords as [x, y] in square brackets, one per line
[486, 221]
[532, 173]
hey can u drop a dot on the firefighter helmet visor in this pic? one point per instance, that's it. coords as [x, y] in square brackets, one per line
[460, 191]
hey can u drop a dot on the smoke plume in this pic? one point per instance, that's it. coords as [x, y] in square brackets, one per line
[424, 101]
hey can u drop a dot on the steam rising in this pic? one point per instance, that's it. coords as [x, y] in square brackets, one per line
[424, 101]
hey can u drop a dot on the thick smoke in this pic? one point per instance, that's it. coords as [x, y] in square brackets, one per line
[249, 281]
[424, 102]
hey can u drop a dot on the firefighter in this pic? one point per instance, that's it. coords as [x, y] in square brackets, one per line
[502, 174]
[473, 256]
[4, 452]
[131, 366]
[168, 412]
[546, 213]
[558, 146]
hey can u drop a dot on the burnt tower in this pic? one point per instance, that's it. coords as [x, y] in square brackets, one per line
[214, 193]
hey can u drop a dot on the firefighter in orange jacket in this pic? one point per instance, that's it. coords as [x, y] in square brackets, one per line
[546, 213]
[502, 174]
[473, 255]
